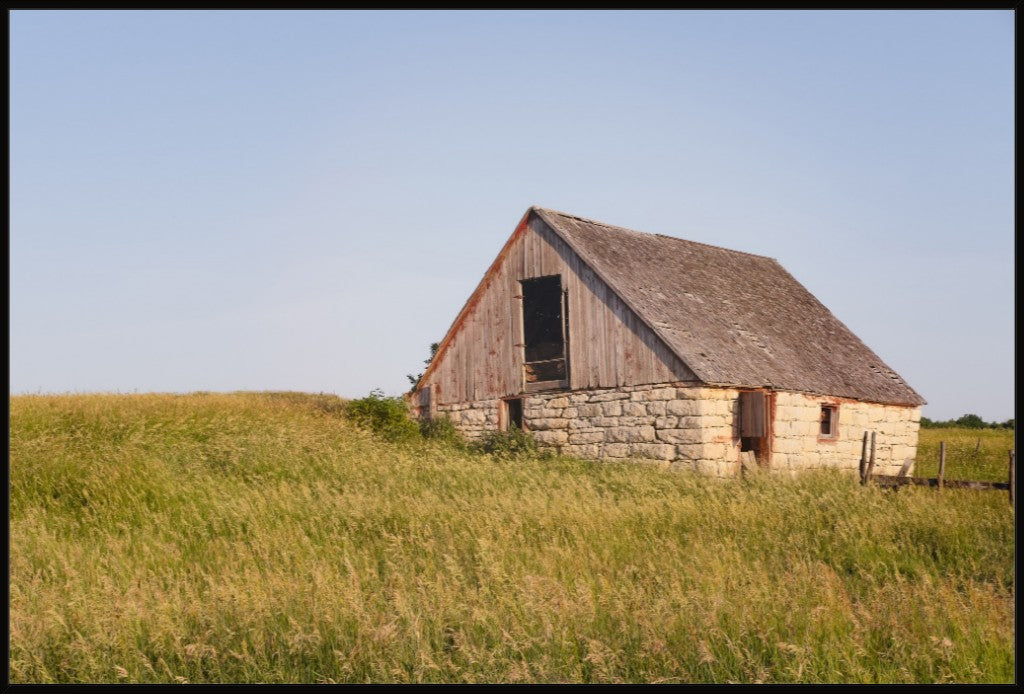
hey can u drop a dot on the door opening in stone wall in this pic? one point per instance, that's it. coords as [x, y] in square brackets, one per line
[755, 425]
[512, 414]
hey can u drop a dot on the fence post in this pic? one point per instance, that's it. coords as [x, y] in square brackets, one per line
[942, 463]
[1011, 478]
[864, 458]
[905, 470]
[871, 461]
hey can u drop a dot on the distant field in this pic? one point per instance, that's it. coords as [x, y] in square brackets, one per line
[965, 458]
[261, 538]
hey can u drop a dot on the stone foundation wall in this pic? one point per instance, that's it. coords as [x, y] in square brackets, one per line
[673, 423]
[797, 445]
[697, 427]
[472, 419]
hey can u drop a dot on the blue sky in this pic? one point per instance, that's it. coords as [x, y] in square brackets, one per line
[304, 200]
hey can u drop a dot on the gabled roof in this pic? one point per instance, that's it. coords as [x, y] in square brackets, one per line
[734, 318]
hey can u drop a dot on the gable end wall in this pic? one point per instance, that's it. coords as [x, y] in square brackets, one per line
[609, 346]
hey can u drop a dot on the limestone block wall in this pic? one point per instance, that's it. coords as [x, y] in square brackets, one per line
[797, 445]
[671, 423]
[472, 419]
[697, 427]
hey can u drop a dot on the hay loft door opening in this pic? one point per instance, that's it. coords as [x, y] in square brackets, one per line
[545, 334]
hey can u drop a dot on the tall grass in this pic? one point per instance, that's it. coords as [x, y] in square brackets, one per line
[976, 454]
[262, 538]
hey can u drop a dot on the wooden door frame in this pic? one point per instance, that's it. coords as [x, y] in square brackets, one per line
[763, 454]
[503, 414]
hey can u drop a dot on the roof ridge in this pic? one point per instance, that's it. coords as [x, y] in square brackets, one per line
[649, 233]
[641, 315]
[785, 370]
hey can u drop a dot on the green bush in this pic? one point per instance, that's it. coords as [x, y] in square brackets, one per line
[442, 429]
[508, 444]
[385, 416]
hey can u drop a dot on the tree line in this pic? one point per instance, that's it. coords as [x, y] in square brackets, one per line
[968, 421]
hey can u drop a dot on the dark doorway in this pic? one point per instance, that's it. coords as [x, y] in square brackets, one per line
[754, 424]
[513, 414]
[544, 331]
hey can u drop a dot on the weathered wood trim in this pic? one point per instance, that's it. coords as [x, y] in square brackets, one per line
[611, 285]
[1011, 480]
[475, 296]
[871, 460]
[620, 362]
[482, 355]
[545, 386]
[834, 437]
[897, 481]
[863, 466]
[942, 463]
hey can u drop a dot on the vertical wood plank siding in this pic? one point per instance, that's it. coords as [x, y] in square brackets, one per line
[753, 414]
[608, 345]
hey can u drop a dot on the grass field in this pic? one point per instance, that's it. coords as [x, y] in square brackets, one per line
[261, 538]
[976, 454]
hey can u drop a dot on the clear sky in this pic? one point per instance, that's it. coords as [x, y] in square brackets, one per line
[304, 200]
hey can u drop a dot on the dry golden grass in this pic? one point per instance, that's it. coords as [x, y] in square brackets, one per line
[261, 538]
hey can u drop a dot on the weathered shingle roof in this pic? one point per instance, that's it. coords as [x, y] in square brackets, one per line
[734, 318]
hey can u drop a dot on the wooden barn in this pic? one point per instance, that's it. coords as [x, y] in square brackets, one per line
[609, 343]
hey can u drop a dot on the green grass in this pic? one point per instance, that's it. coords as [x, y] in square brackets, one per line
[262, 538]
[971, 454]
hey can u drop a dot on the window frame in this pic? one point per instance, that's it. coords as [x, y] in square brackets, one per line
[833, 434]
[555, 384]
[505, 414]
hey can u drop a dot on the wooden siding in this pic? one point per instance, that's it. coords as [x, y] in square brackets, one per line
[609, 345]
[753, 414]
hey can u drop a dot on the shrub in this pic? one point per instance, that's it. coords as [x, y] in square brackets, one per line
[385, 416]
[442, 429]
[508, 444]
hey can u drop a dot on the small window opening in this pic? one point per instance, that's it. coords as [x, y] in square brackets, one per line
[513, 414]
[828, 421]
[544, 331]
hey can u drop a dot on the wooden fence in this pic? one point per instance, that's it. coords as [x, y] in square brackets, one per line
[867, 466]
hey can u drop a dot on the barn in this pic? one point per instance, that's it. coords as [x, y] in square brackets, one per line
[609, 343]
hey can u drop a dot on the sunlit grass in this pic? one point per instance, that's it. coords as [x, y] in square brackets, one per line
[976, 454]
[260, 538]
